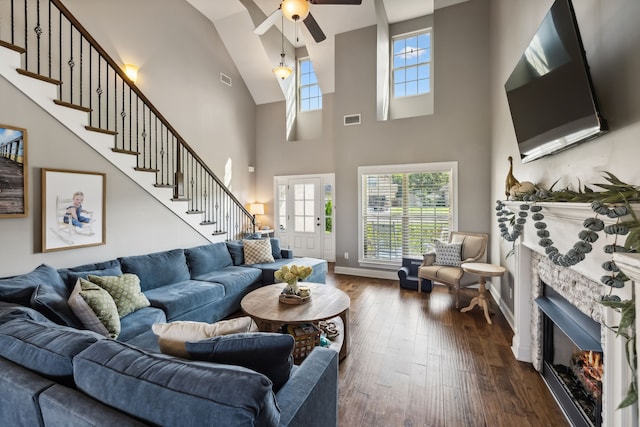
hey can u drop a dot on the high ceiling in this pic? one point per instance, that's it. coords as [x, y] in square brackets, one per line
[256, 55]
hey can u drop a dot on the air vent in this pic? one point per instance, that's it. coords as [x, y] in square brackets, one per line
[226, 79]
[353, 119]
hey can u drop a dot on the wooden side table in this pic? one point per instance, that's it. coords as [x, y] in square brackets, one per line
[483, 270]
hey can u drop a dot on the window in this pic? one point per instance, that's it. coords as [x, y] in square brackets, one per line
[411, 59]
[403, 209]
[310, 96]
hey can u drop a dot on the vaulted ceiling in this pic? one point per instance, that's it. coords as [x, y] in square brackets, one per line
[255, 55]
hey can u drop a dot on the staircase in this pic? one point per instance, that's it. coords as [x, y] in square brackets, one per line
[48, 55]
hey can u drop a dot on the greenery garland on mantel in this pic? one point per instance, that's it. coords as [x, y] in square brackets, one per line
[614, 201]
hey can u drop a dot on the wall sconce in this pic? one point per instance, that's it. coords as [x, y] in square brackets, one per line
[131, 71]
[256, 209]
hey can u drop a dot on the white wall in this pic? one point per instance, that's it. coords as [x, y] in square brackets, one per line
[611, 37]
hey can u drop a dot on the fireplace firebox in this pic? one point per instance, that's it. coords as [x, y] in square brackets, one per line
[572, 359]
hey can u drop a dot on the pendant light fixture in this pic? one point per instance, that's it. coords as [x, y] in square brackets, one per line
[282, 71]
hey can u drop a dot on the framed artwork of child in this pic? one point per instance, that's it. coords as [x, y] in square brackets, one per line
[73, 209]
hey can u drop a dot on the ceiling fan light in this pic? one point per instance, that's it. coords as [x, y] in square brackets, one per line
[295, 10]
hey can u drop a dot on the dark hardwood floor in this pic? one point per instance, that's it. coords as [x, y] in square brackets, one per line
[417, 361]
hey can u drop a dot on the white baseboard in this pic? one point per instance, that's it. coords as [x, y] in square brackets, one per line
[364, 272]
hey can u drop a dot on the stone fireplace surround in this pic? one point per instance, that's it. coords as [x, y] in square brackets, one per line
[579, 285]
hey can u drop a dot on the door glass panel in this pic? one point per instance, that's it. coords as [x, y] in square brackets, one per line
[309, 224]
[328, 208]
[304, 208]
[282, 207]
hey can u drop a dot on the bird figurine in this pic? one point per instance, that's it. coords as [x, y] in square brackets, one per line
[511, 180]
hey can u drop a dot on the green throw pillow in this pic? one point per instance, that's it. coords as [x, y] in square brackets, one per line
[125, 291]
[95, 308]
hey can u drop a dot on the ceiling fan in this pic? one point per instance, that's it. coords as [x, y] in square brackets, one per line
[298, 10]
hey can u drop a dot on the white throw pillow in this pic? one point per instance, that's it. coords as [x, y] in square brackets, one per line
[172, 336]
[257, 251]
[448, 254]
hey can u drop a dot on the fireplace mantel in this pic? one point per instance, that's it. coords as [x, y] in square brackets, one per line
[564, 221]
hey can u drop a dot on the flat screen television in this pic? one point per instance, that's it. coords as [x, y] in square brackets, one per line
[550, 92]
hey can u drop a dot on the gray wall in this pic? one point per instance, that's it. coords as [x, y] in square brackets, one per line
[180, 57]
[611, 38]
[459, 129]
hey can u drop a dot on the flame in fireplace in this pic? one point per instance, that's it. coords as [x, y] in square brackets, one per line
[588, 368]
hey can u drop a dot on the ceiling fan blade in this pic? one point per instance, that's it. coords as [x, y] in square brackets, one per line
[336, 1]
[314, 28]
[268, 23]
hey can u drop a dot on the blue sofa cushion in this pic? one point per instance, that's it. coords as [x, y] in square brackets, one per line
[19, 388]
[206, 258]
[93, 268]
[139, 323]
[267, 353]
[167, 391]
[62, 406]
[44, 347]
[236, 249]
[10, 311]
[183, 297]
[157, 269]
[19, 289]
[234, 279]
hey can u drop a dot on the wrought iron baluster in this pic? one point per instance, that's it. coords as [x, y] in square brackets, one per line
[49, 40]
[123, 113]
[71, 63]
[137, 131]
[81, 60]
[26, 36]
[38, 31]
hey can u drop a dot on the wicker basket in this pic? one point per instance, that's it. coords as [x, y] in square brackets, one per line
[306, 336]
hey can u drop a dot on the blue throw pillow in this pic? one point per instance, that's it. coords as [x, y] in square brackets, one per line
[267, 353]
[10, 311]
[66, 273]
[19, 289]
[236, 249]
[275, 248]
[45, 348]
[207, 258]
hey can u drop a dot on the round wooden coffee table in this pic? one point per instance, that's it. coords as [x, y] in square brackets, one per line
[270, 314]
[483, 270]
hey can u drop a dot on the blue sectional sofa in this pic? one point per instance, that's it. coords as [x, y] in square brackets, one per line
[57, 373]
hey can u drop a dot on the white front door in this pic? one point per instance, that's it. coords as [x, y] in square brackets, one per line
[304, 215]
[306, 236]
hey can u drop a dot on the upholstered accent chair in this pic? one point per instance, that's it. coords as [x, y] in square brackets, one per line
[443, 265]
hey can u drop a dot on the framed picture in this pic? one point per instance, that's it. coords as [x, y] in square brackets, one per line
[73, 209]
[13, 172]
